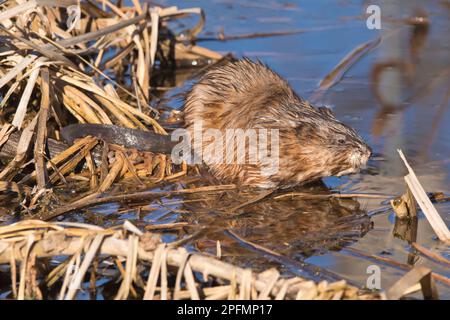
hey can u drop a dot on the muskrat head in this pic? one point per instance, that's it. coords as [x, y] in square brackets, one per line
[327, 146]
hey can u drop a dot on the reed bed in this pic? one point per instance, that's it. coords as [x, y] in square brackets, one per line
[146, 268]
[65, 62]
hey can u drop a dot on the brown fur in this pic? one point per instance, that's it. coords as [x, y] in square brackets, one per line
[248, 95]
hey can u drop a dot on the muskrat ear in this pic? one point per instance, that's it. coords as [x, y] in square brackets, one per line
[326, 111]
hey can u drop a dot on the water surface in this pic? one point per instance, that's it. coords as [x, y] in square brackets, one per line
[408, 111]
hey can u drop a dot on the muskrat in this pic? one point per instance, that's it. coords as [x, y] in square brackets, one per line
[248, 95]
[245, 94]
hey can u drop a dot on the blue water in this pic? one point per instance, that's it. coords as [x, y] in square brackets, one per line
[417, 123]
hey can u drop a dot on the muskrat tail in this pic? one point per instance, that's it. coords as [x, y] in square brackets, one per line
[127, 137]
[9, 149]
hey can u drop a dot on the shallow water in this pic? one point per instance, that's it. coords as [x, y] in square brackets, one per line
[411, 114]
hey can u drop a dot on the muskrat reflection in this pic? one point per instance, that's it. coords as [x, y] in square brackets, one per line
[288, 225]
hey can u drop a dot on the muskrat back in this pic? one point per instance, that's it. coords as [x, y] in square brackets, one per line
[248, 95]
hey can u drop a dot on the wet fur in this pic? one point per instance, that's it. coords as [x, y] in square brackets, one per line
[249, 95]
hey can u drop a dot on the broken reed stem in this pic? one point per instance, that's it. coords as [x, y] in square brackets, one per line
[301, 267]
[223, 37]
[78, 277]
[428, 209]
[122, 198]
[431, 255]
[22, 147]
[60, 157]
[305, 195]
[112, 174]
[92, 171]
[418, 276]
[41, 135]
[392, 263]
[74, 161]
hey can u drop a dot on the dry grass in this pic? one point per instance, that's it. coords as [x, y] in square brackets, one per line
[88, 248]
[96, 70]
